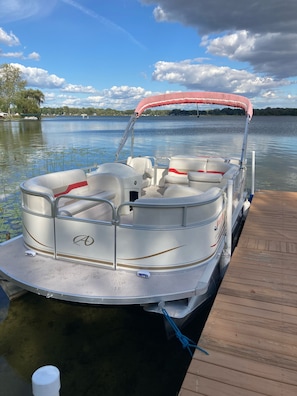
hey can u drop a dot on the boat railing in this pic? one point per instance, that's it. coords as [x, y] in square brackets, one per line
[87, 229]
[40, 202]
[76, 206]
[175, 212]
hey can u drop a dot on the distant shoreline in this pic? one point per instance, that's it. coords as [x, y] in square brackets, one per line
[57, 112]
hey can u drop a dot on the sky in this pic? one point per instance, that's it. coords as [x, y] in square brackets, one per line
[113, 53]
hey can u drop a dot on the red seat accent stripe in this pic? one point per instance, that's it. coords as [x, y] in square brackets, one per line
[173, 170]
[72, 187]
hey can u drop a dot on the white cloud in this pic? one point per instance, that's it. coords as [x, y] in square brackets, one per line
[124, 92]
[190, 74]
[59, 93]
[236, 45]
[20, 55]
[40, 78]
[78, 88]
[16, 55]
[160, 15]
[34, 56]
[116, 97]
[265, 52]
[72, 102]
[195, 76]
[8, 39]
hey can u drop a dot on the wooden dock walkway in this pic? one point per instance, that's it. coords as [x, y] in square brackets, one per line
[251, 332]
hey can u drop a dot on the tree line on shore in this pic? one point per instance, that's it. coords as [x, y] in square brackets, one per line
[91, 111]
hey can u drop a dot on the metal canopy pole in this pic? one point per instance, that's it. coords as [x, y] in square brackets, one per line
[244, 144]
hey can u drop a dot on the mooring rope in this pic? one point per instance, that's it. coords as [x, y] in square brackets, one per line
[185, 341]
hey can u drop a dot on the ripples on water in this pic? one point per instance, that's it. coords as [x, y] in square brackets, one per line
[112, 351]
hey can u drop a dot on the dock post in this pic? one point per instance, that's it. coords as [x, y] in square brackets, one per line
[46, 381]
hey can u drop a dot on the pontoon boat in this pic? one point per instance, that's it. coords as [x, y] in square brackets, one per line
[133, 232]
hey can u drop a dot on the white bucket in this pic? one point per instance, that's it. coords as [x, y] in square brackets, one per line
[46, 381]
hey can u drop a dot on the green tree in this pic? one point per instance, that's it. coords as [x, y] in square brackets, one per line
[29, 100]
[36, 95]
[11, 83]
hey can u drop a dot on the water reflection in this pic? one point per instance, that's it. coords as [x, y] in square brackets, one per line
[99, 350]
[17, 140]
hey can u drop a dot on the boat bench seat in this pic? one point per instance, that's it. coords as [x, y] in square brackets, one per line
[204, 181]
[75, 206]
[178, 208]
[180, 166]
[45, 189]
[178, 190]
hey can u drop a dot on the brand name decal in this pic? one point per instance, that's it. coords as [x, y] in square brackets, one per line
[83, 240]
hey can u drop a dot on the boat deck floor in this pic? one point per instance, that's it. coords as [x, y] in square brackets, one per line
[250, 334]
[92, 284]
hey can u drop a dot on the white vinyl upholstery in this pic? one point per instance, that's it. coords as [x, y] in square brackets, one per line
[179, 166]
[177, 211]
[58, 186]
[144, 167]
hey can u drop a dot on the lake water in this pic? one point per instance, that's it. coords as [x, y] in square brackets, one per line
[114, 351]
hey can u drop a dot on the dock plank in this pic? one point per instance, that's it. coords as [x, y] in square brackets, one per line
[250, 334]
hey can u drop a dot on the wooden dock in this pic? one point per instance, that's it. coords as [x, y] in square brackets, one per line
[251, 332]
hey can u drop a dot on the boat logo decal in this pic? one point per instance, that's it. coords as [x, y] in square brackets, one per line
[85, 240]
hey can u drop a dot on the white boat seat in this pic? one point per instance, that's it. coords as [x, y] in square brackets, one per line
[179, 166]
[144, 167]
[169, 212]
[216, 177]
[177, 190]
[73, 207]
[217, 165]
[59, 185]
[205, 177]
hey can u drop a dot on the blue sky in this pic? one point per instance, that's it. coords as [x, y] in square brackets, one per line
[112, 53]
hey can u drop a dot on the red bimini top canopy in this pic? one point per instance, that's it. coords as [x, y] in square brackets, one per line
[218, 98]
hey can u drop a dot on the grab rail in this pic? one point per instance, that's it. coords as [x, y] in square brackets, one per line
[47, 196]
[183, 203]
